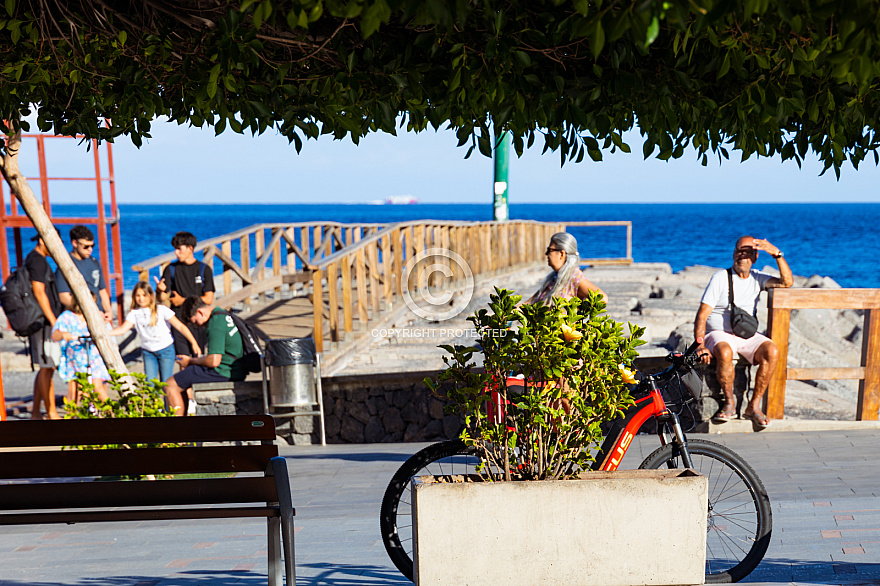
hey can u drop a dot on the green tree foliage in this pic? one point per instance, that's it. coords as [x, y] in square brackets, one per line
[761, 77]
[575, 363]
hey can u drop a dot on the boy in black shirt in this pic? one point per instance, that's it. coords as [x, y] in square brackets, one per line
[187, 277]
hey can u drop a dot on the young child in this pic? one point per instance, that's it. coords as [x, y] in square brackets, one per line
[153, 323]
[77, 354]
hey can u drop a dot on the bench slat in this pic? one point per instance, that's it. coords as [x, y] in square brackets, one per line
[40, 464]
[138, 515]
[62, 495]
[224, 428]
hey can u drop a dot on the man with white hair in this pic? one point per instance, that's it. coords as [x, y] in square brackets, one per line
[739, 285]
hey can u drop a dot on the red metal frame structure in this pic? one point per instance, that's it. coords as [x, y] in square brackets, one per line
[16, 220]
[12, 218]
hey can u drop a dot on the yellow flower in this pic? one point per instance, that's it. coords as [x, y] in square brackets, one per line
[628, 376]
[570, 334]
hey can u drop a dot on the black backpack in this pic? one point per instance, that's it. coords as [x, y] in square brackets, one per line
[19, 304]
[252, 360]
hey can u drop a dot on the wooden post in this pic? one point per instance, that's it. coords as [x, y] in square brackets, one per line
[445, 244]
[487, 261]
[318, 309]
[387, 273]
[473, 245]
[291, 256]
[276, 261]
[245, 264]
[504, 244]
[346, 294]
[304, 243]
[260, 245]
[360, 268]
[869, 387]
[774, 400]
[411, 244]
[397, 257]
[226, 247]
[419, 239]
[455, 246]
[373, 258]
[332, 288]
[521, 241]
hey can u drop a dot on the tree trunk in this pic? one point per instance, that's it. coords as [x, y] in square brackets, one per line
[94, 318]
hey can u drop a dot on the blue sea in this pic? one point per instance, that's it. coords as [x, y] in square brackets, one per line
[836, 240]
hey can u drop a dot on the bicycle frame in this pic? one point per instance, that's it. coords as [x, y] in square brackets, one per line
[622, 431]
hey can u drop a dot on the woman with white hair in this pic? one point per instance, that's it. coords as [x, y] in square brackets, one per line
[566, 280]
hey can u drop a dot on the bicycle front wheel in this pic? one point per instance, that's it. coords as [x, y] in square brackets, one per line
[740, 518]
[395, 516]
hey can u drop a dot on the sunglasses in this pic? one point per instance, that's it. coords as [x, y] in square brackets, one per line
[87, 246]
[549, 250]
[747, 250]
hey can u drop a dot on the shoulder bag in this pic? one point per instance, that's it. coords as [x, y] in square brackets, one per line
[742, 322]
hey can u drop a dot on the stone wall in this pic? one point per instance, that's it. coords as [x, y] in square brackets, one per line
[393, 407]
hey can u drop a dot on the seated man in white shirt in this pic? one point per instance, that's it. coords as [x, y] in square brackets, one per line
[713, 325]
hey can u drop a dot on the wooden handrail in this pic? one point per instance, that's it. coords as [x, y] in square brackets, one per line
[780, 302]
[335, 257]
[203, 246]
[366, 277]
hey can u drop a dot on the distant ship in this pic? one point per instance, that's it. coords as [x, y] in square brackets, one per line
[401, 200]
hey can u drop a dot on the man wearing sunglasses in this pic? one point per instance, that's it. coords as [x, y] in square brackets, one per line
[83, 243]
[713, 325]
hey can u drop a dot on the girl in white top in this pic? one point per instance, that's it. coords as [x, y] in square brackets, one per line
[153, 323]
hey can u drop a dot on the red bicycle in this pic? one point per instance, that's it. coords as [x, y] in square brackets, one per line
[739, 516]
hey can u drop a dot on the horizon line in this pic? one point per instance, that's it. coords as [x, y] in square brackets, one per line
[468, 203]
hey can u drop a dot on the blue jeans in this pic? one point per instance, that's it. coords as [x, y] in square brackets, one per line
[159, 364]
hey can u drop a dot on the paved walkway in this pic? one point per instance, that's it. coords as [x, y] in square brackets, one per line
[824, 486]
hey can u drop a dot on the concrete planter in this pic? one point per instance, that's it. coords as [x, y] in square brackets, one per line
[608, 528]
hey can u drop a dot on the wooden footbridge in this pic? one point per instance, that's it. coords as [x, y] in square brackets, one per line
[337, 282]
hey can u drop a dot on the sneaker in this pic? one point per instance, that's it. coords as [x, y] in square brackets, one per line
[191, 408]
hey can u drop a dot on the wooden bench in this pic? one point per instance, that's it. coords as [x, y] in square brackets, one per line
[52, 500]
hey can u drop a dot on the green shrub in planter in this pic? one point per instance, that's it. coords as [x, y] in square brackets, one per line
[575, 361]
[138, 397]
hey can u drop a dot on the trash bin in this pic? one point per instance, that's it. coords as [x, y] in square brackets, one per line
[291, 364]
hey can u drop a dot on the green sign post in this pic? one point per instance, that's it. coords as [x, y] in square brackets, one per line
[502, 150]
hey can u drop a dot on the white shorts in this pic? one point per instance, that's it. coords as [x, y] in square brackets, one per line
[744, 347]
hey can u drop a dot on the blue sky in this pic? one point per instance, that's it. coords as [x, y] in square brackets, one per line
[190, 165]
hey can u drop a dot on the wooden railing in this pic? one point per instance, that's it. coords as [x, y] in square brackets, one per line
[782, 301]
[365, 280]
[263, 257]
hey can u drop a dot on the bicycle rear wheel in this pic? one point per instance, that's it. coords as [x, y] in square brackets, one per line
[740, 519]
[395, 517]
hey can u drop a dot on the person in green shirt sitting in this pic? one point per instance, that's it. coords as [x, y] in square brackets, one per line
[220, 363]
